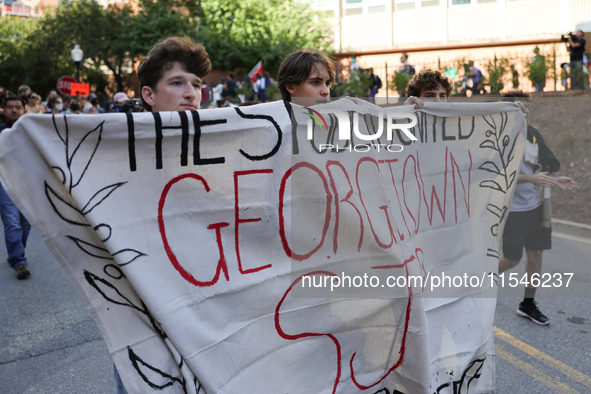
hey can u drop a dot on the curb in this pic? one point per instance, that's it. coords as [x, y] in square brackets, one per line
[571, 230]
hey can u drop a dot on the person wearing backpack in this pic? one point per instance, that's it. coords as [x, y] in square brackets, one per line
[375, 85]
[476, 77]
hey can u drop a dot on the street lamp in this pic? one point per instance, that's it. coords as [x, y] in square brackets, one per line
[77, 55]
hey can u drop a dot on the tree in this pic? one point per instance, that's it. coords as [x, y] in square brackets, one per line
[98, 32]
[14, 32]
[537, 71]
[239, 33]
[236, 33]
[400, 81]
[356, 86]
[112, 38]
[497, 70]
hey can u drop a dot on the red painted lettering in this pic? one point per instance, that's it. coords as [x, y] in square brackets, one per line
[286, 247]
[238, 220]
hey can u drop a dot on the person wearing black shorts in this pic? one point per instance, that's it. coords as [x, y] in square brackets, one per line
[527, 223]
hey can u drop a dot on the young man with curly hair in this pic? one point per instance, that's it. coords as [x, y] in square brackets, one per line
[305, 77]
[428, 85]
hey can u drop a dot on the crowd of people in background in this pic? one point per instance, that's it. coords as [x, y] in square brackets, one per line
[260, 88]
[56, 104]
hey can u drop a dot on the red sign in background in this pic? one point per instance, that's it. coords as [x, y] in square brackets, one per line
[64, 84]
[79, 89]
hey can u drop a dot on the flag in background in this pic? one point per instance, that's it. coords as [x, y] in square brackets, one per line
[256, 70]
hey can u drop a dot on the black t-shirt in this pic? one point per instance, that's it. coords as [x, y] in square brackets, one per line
[576, 54]
[230, 90]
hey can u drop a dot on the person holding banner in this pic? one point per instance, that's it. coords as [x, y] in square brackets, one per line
[170, 80]
[305, 77]
[428, 85]
[171, 75]
[528, 223]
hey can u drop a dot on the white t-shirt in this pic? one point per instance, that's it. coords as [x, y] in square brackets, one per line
[525, 197]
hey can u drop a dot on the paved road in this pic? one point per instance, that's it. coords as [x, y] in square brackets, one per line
[49, 341]
[51, 344]
[555, 358]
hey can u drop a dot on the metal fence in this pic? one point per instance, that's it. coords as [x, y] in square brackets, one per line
[386, 72]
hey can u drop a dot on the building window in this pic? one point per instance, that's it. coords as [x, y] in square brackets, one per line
[468, 2]
[405, 5]
[364, 7]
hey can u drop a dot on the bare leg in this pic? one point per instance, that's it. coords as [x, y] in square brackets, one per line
[506, 264]
[533, 266]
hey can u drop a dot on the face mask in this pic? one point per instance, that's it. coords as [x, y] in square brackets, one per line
[75, 107]
[59, 107]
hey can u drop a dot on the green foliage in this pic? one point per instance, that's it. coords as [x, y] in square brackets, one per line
[553, 68]
[356, 85]
[273, 92]
[112, 38]
[537, 70]
[497, 70]
[568, 141]
[400, 81]
[158, 20]
[237, 34]
[14, 32]
[246, 90]
[463, 72]
[514, 76]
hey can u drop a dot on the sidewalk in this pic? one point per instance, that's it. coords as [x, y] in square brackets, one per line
[571, 230]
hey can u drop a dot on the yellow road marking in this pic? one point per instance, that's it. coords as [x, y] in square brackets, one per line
[532, 371]
[535, 353]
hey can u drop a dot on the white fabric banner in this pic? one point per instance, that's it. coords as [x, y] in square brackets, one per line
[209, 243]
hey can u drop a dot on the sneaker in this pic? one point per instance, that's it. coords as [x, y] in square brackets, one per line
[21, 271]
[531, 311]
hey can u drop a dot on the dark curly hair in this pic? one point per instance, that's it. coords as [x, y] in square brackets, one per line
[298, 66]
[190, 55]
[428, 79]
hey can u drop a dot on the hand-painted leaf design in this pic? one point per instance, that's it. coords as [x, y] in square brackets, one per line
[100, 196]
[109, 291]
[92, 250]
[511, 151]
[113, 271]
[112, 294]
[490, 167]
[64, 209]
[470, 373]
[492, 253]
[511, 179]
[62, 136]
[62, 174]
[498, 212]
[491, 184]
[127, 256]
[104, 231]
[83, 154]
[494, 229]
[488, 144]
[154, 377]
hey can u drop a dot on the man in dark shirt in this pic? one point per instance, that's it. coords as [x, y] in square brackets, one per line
[576, 48]
[16, 226]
